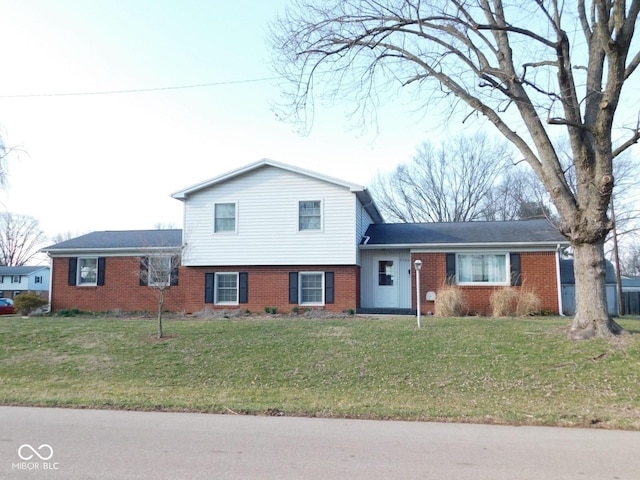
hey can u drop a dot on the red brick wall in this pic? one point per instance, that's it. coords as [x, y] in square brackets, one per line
[268, 287]
[538, 271]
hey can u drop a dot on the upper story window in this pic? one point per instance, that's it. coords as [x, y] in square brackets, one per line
[15, 279]
[310, 215]
[483, 269]
[87, 271]
[38, 279]
[225, 217]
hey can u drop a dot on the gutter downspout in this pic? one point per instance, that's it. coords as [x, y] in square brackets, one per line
[559, 279]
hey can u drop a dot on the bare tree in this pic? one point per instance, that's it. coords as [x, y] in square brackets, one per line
[20, 239]
[446, 183]
[516, 197]
[159, 271]
[540, 71]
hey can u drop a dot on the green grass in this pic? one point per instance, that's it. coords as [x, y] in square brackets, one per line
[515, 371]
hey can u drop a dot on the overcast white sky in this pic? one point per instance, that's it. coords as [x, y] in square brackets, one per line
[110, 162]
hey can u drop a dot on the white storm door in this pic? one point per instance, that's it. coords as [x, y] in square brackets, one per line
[386, 282]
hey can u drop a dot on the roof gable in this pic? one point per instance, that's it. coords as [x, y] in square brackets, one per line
[360, 191]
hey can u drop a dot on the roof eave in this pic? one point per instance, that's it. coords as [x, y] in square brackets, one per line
[66, 252]
[548, 245]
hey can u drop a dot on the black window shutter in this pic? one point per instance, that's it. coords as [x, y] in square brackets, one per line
[209, 285]
[101, 269]
[516, 270]
[144, 271]
[243, 290]
[175, 271]
[451, 268]
[293, 287]
[329, 290]
[73, 270]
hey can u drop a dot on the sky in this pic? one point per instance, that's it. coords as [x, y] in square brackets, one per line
[90, 162]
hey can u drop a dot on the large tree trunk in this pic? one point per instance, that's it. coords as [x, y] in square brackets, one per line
[592, 318]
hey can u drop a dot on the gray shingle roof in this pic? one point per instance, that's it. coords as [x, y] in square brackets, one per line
[22, 270]
[117, 240]
[521, 231]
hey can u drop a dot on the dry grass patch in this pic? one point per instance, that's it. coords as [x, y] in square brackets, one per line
[528, 304]
[504, 301]
[449, 302]
[509, 301]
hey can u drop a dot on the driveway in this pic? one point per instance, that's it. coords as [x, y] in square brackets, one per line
[99, 444]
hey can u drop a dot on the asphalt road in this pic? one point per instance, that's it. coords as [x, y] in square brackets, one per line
[98, 444]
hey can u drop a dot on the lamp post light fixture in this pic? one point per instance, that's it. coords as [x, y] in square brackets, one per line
[418, 265]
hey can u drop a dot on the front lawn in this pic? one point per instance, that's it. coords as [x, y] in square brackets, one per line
[516, 371]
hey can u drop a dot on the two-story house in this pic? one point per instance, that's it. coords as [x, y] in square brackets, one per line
[24, 279]
[274, 235]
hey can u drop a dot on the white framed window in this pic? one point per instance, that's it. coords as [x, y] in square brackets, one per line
[225, 217]
[159, 270]
[482, 269]
[311, 291]
[38, 279]
[309, 215]
[226, 288]
[15, 279]
[87, 271]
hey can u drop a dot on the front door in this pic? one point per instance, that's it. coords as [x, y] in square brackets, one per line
[386, 286]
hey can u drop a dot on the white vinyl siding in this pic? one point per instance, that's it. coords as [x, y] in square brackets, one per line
[369, 276]
[269, 232]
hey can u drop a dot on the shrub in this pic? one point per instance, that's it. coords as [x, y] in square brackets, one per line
[449, 302]
[528, 304]
[504, 301]
[26, 303]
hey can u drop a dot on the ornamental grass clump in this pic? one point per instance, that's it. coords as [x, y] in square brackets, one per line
[504, 301]
[449, 302]
[509, 301]
[528, 304]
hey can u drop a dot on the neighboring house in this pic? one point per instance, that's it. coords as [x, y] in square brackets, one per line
[24, 279]
[568, 281]
[274, 235]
